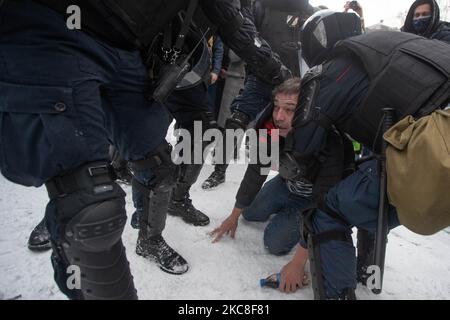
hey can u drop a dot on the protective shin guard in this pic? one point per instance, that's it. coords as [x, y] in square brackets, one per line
[94, 245]
[88, 250]
[155, 202]
[313, 243]
[155, 193]
[187, 177]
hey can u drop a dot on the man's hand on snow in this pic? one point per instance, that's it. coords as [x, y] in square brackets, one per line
[292, 278]
[228, 226]
[293, 275]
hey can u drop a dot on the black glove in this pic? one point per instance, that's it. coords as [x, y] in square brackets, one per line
[246, 3]
[283, 74]
[237, 120]
[275, 72]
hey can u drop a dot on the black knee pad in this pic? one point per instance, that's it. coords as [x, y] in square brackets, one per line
[97, 227]
[90, 217]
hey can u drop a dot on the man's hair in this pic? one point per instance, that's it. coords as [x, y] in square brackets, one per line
[290, 86]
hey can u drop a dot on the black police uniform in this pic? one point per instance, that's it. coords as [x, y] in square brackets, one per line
[64, 94]
[360, 76]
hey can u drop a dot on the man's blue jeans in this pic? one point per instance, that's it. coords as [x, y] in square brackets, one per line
[283, 231]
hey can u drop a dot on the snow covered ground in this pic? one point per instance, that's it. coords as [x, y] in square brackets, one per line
[417, 267]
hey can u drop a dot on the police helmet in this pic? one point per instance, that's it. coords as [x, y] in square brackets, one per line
[323, 29]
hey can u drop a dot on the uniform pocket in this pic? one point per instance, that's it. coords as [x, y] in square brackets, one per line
[40, 133]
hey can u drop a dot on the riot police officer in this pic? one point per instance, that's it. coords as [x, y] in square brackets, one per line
[67, 92]
[349, 85]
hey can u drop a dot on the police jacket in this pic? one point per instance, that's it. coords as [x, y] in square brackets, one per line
[135, 24]
[364, 75]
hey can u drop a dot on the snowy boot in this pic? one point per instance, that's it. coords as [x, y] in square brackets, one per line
[156, 249]
[186, 210]
[216, 178]
[39, 238]
[135, 220]
[180, 204]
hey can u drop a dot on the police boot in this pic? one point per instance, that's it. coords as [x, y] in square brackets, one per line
[365, 247]
[181, 204]
[39, 238]
[186, 210]
[150, 243]
[156, 249]
[216, 178]
[135, 220]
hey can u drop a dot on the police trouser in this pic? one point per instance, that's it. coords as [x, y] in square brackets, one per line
[63, 96]
[255, 96]
[190, 110]
[189, 107]
[352, 202]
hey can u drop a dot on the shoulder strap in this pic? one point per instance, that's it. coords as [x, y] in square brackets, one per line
[185, 27]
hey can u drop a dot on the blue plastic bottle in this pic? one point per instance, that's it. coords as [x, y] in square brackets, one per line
[272, 281]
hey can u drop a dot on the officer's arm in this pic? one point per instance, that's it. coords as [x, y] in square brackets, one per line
[301, 161]
[300, 157]
[250, 185]
[247, 9]
[240, 35]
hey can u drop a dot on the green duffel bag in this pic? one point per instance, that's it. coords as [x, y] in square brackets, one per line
[418, 171]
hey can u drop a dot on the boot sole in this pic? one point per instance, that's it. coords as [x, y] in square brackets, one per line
[153, 259]
[198, 224]
[212, 188]
[40, 247]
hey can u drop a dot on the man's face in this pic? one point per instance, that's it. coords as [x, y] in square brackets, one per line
[283, 112]
[422, 11]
